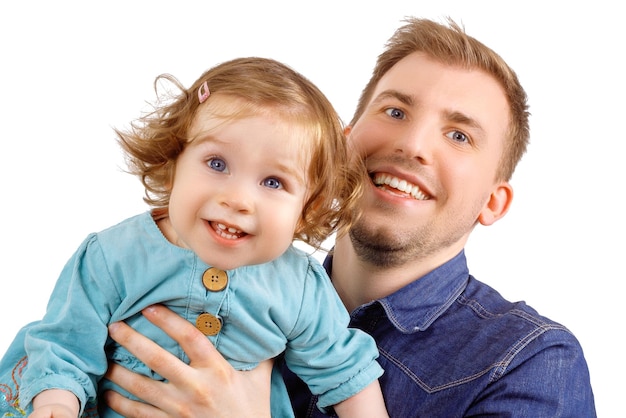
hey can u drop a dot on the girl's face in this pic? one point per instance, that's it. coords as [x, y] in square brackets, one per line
[238, 190]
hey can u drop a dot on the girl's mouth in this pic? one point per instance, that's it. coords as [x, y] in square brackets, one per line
[227, 232]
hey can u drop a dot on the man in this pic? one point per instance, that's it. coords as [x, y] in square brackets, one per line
[442, 124]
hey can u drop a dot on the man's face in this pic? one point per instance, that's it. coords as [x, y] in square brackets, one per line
[432, 137]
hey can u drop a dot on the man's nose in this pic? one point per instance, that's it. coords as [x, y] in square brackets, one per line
[417, 141]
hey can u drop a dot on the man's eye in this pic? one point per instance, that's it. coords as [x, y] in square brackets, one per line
[457, 136]
[395, 113]
[217, 164]
[272, 183]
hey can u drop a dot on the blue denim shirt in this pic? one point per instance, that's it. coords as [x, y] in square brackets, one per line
[452, 346]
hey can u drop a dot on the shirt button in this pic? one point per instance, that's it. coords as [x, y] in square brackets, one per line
[208, 324]
[215, 279]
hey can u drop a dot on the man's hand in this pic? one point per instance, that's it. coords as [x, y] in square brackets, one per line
[208, 386]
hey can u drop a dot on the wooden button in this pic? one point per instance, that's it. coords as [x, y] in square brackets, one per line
[215, 279]
[208, 324]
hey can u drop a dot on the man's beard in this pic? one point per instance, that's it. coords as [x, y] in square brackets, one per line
[383, 249]
[388, 247]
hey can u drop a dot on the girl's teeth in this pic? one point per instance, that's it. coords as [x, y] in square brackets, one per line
[228, 232]
[231, 230]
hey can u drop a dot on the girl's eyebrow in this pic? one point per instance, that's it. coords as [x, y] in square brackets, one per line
[291, 170]
[204, 137]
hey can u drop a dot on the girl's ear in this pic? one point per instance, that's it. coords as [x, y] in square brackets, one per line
[347, 130]
[498, 204]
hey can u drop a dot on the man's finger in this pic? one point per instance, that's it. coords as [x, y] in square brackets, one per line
[193, 342]
[150, 353]
[159, 399]
[128, 408]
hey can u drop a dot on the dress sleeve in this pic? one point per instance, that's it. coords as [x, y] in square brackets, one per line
[335, 361]
[66, 348]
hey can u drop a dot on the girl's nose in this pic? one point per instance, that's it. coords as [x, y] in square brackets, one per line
[238, 199]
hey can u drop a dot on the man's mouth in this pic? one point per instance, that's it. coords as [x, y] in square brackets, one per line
[387, 181]
[227, 232]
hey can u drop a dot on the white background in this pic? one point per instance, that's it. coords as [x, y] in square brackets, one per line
[71, 71]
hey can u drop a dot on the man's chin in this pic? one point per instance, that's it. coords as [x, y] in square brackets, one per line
[380, 248]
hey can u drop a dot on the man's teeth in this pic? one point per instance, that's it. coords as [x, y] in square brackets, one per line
[228, 232]
[401, 185]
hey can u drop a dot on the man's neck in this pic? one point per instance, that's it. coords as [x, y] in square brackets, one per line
[358, 282]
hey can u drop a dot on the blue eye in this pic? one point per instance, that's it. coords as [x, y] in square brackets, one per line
[457, 136]
[272, 183]
[395, 113]
[217, 164]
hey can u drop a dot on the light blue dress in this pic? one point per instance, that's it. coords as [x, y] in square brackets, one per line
[287, 305]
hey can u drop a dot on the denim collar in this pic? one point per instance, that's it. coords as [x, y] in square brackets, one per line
[417, 305]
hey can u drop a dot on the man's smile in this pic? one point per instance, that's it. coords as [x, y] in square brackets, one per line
[391, 182]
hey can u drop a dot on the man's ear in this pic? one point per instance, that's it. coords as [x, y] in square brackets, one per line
[498, 204]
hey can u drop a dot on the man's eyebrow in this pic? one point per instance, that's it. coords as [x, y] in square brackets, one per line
[463, 119]
[394, 94]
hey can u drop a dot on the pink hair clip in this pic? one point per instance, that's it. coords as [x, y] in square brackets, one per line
[204, 92]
